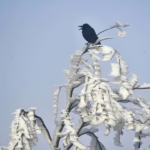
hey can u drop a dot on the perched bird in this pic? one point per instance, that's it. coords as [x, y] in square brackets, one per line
[89, 33]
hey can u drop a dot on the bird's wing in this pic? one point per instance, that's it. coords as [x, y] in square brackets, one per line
[93, 36]
[87, 36]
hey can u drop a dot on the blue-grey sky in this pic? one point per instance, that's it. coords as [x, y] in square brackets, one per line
[37, 38]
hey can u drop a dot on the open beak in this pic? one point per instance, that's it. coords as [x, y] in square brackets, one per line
[80, 28]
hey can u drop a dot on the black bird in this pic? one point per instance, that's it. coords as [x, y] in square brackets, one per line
[89, 33]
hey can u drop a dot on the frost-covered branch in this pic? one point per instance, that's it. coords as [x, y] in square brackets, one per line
[78, 128]
[44, 130]
[74, 80]
[95, 144]
[24, 129]
[144, 86]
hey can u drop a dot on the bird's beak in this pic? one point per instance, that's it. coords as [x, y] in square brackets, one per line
[80, 28]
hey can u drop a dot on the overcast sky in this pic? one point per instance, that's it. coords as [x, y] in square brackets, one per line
[37, 38]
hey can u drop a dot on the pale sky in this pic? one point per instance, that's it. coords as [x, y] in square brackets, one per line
[37, 38]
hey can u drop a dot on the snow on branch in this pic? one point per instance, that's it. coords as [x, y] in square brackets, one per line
[144, 86]
[24, 130]
[95, 143]
[41, 128]
[105, 108]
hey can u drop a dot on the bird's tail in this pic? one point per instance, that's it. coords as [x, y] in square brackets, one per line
[99, 43]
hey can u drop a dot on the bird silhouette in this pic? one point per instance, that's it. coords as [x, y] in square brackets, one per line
[88, 33]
